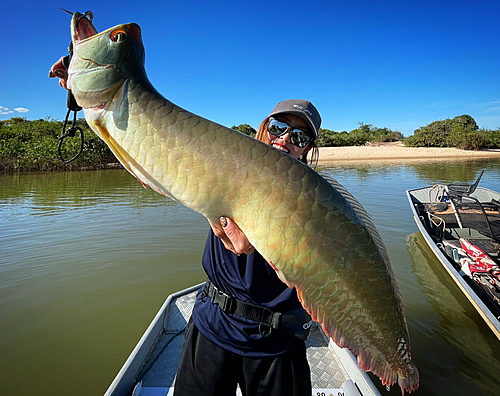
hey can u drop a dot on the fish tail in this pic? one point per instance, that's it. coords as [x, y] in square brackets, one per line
[409, 383]
[388, 376]
[366, 362]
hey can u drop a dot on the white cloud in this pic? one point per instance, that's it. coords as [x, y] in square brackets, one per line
[5, 110]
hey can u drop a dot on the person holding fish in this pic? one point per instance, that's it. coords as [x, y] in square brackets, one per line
[248, 328]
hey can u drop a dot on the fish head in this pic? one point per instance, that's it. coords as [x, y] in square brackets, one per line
[102, 62]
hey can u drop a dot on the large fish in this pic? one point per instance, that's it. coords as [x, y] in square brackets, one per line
[315, 239]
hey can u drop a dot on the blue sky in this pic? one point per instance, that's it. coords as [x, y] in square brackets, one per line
[397, 64]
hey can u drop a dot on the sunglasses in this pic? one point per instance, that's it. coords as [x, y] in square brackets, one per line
[298, 137]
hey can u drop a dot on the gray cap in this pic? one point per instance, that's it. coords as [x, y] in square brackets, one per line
[304, 109]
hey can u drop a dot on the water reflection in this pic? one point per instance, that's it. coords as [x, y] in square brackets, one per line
[48, 192]
[468, 351]
[86, 259]
[456, 172]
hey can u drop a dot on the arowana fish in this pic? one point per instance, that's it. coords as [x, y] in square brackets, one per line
[330, 252]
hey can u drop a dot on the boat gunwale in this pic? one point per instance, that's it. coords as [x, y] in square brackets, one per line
[123, 381]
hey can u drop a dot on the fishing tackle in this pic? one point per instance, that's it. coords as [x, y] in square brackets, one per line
[72, 105]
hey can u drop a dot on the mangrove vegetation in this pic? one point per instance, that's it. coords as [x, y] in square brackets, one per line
[33, 145]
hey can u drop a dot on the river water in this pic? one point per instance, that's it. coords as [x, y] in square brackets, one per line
[87, 259]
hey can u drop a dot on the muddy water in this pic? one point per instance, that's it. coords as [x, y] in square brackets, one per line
[87, 258]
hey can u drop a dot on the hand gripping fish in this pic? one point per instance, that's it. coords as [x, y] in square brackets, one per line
[317, 242]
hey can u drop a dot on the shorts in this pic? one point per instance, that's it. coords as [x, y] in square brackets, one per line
[206, 369]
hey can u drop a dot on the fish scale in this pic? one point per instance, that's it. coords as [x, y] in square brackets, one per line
[308, 230]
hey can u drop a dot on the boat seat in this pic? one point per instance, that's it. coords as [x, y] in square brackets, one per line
[470, 213]
[464, 190]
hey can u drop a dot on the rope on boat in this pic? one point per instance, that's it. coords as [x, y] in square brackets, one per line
[438, 222]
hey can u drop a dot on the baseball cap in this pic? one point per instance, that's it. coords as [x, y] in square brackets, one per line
[302, 108]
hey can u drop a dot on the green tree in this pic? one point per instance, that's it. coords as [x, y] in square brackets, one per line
[465, 138]
[328, 138]
[447, 133]
[246, 129]
[491, 138]
[357, 137]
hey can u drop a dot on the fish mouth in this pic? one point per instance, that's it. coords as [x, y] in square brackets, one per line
[82, 27]
[93, 78]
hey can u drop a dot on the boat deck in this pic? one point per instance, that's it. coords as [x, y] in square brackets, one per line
[444, 224]
[151, 368]
[160, 368]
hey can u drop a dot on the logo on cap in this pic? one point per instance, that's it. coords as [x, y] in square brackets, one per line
[303, 109]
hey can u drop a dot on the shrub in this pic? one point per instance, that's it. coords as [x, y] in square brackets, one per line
[33, 146]
[357, 137]
[454, 132]
[491, 138]
[465, 139]
[329, 138]
[246, 129]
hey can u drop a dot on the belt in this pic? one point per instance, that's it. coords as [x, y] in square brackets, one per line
[264, 316]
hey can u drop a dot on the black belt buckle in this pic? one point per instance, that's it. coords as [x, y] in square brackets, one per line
[224, 301]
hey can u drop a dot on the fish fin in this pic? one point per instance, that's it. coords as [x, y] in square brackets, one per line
[366, 362]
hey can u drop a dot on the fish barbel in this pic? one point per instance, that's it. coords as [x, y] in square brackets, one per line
[317, 242]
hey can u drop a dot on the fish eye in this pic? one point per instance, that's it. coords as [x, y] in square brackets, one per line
[118, 35]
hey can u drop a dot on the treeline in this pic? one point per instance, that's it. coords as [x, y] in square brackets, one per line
[357, 137]
[461, 132]
[33, 146]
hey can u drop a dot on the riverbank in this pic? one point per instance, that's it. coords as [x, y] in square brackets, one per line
[396, 151]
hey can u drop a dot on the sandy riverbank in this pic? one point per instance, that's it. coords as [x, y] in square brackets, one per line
[397, 152]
